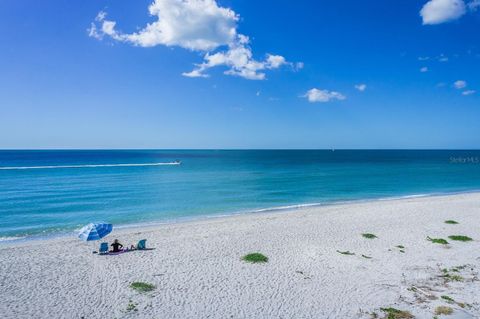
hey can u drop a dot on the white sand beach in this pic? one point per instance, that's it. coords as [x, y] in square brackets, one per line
[198, 272]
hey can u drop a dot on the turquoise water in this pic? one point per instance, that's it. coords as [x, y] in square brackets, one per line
[45, 193]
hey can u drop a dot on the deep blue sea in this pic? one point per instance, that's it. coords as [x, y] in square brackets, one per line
[45, 193]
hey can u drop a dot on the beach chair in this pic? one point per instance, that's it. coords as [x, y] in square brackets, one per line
[103, 248]
[142, 244]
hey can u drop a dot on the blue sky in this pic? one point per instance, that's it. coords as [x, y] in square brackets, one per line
[239, 74]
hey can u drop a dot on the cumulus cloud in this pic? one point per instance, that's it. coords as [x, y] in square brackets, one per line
[424, 69]
[239, 61]
[197, 25]
[191, 24]
[468, 92]
[361, 87]
[317, 95]
[423, 58]
[460, 84]
[440, 11]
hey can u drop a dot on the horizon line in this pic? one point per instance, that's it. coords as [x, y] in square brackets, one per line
[239, 149]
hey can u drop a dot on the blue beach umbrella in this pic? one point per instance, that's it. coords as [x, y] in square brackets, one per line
[95, 231]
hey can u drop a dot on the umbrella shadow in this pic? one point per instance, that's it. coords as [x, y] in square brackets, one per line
[125, 252]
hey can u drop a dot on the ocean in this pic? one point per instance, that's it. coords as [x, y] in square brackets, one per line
[54, 193]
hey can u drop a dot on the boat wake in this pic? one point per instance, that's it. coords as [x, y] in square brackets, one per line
[88, 166]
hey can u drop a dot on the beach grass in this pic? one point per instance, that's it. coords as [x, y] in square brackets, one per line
[369, 235]
[255, 258]
[450, 277]
[452, 222]
[443, 310]
[392, 313]
[345, 252]
[400, 246]
[460, 238]
[447, 298]
[142, 286]
[367, 257]
[438, 241]
[454, 269]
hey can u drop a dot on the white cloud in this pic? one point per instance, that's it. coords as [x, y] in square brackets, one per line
[424, 69]
[361, 87]
[197, 25]
[440, 11]
[442, 58]
[298, 66]
[195, 74]
[191, 24]
[468, 92]
[275, 61]
[423, 58]
[101, 16]
[317, 95]
[238, 59]
[460, 84]
[474, 5]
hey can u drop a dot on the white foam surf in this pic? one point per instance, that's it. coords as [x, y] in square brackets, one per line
[87, 166]
[11, 238]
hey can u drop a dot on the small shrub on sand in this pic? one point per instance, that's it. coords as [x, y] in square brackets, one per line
[369, 236]
[392, 313]
[458, 268]
[400, 246]
[448, 299]
[255, 258]
[443, 310]
[438, 241]
[450, 277]
[142, 286]
[451, 222]
[131, 306]
[460, 238]
[345, 252]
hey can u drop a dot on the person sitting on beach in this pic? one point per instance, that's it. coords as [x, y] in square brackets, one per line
[116, 246]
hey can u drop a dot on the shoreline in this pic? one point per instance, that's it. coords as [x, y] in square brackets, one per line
[14, 240]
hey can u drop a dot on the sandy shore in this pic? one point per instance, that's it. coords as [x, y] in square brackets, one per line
[198, 272]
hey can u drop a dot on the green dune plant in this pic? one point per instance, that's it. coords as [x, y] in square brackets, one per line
[345, 252]
[451, 222]
[447, 298]
[449, 277]
[131, 306]
[438, 241]
[142, 286]
[255, 258]
[369, 236]
[460, 238]
[392, 313]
